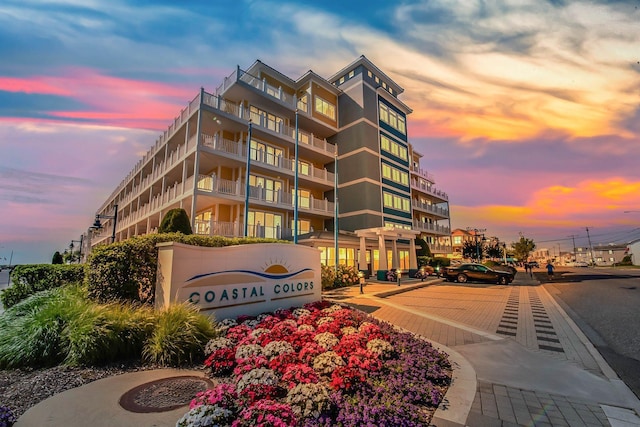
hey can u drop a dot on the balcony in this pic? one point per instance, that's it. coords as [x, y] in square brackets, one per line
[435, 210]
[423, 173]
[276, 198]
[431, 228]
[428, 189]
[281, 164]
[236, 229]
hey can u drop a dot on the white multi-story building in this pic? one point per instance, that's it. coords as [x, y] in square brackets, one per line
[229, 159]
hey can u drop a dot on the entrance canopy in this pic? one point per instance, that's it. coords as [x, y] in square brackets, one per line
[382, 234]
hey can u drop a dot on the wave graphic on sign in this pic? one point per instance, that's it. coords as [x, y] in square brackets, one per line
[236, 276]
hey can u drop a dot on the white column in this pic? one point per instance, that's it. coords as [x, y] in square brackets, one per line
[413, 259]
[394, 257]
[362, 260]
[382, 249]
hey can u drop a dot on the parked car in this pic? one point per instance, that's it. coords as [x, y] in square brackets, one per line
[477, 272]
[424, 272]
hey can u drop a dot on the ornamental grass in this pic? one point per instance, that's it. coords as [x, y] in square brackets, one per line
[320, 365]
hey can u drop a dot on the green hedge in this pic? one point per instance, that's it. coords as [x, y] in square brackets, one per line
[31, 278]
[126, 271]
[346, 276]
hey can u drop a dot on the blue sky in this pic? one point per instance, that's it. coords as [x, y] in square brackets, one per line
[527, 112]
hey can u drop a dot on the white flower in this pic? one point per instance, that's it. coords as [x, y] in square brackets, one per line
[257, 376]
[250, 323]
[332, 309]
[348, 330]
[380, 347]
[217, 344]
[306, 328]
[326, 340]
[206, 416]
[261, 317]
[276, 348]
[300, 312]
[325, 363]
[308, 400]
[249, 350]
[256, 333]
[323, 320]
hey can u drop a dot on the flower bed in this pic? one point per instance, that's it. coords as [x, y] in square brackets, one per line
[321, 365]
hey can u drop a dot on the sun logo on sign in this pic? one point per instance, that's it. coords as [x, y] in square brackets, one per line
[276, 268]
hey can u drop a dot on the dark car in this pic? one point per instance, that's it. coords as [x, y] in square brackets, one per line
[477, 273]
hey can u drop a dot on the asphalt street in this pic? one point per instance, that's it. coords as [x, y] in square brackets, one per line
[604, 304]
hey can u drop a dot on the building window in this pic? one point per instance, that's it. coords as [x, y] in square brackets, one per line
[396, 202]
[303, 103]
[304, 168]
[341, 80]
[393, 148]
[304, 199]
[395, 175]
[392, 118]
[304, 226]
[264, 224]
[324, 107]
[369, 74]
[352, 73]
[396, 225]
[265, 153]
[457, 240]
[265, 119]
[268, 189]
[346, 256]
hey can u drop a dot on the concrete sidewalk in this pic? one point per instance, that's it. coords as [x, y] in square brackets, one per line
[530, 363]
[518, 360]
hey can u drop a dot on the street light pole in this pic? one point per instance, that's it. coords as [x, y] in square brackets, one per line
[246, 191]
[97, 225]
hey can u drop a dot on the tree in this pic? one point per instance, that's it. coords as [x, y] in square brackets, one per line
[176, 220]
[471, 250]
[422, 247]
[57, 258]
[522, 248]
[495, 251]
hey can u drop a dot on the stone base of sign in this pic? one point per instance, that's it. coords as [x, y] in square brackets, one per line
[235, 280]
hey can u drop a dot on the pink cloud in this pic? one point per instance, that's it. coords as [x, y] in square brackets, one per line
[111, 101]
[38, 84]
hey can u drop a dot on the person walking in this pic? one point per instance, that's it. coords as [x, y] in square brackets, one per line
[550, 270]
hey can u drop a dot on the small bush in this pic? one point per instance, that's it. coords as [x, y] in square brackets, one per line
[179, 336]
[31, 278]
[31, 331]
[126, 271]
[175, 221]
[344, 276]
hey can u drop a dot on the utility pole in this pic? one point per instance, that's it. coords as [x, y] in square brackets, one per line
[574, 247]
[590, 246]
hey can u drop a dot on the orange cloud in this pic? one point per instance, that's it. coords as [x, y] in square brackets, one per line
[602, 202]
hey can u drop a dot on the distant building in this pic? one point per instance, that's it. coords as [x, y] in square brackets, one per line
[633, 250]
[234, 158]
[609, 254]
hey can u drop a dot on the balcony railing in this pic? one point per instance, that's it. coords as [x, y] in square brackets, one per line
[433, 228]
[236, 229]
[430, 208]
[286, 165]
[277, 198]
[423, 173]
[429, 190]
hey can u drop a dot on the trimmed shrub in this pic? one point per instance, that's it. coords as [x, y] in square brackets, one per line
[126, 271]
[344, 276]
[176, 221]
[179, 335]
[31, 278]
[57, 258]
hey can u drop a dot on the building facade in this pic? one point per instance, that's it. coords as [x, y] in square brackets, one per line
[235, 159]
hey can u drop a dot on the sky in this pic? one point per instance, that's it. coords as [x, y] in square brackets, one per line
[527, 112]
